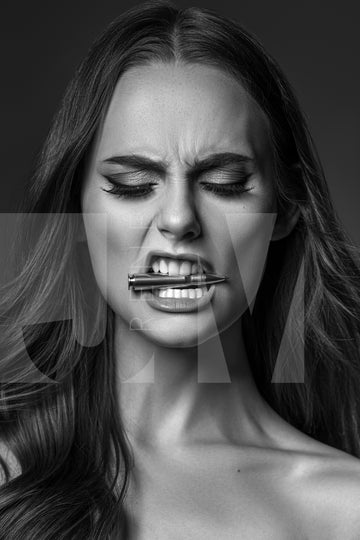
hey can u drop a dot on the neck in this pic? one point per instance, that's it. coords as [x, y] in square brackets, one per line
[164, 399]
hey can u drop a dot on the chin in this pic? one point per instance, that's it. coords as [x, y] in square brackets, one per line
[185, 335]
[182, 333]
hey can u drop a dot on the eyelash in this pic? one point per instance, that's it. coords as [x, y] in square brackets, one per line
[235, 189]
[226, 190]
[130, 192]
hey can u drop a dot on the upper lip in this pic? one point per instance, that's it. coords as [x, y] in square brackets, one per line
[194, 257]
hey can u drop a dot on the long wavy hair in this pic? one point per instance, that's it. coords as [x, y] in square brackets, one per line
[58, 403]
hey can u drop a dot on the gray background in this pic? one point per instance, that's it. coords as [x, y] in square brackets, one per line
[316, 43]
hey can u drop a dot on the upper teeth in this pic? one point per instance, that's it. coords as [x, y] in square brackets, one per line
[166, 265]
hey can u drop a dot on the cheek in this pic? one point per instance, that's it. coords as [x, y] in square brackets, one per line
[115, 236]
[249, 239]
[109, 240]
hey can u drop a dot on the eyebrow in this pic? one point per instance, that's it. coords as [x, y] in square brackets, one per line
[212, 161]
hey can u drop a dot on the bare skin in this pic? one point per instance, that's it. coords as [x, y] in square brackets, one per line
[229, 491]
[215, 461]
[211, 460]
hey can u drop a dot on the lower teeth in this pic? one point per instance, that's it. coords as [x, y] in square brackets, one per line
[181, 293]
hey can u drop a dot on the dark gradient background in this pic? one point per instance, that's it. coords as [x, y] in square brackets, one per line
[316, 43]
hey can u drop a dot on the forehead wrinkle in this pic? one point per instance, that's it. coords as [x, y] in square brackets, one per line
[189, 148]
[179, 134]
[248, 135]
[188, 144]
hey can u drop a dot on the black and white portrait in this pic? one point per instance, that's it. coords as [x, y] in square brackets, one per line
[180, 273]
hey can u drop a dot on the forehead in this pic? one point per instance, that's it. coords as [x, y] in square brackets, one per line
[178, 110]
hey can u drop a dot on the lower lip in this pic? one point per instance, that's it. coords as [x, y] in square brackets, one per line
[179, 305]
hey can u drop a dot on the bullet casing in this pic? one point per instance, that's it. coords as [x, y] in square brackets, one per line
[147, 281]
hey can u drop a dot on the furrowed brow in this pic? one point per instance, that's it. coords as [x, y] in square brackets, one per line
[220, 160]
[135, 161]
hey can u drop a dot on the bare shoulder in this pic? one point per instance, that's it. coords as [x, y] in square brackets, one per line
[330, 486]
[338, 486]
[322, 484]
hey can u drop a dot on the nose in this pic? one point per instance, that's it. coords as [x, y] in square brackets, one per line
[177, 217]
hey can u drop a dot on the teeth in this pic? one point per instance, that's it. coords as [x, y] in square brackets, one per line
[163, 293]
[173, 268]
[199, 292]
[163, 266]
[182, 293]
[185, 268]
[166, 265]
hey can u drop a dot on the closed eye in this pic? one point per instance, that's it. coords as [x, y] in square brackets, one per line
[225, 190]
[128, 191]
[140, 185]
[225, 182]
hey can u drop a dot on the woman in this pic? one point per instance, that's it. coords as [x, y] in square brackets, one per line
[231, 412]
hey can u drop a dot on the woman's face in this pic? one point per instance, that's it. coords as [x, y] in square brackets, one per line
[180, 173]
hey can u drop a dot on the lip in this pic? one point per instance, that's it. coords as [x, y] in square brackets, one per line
[179, 305]
[193, 257]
